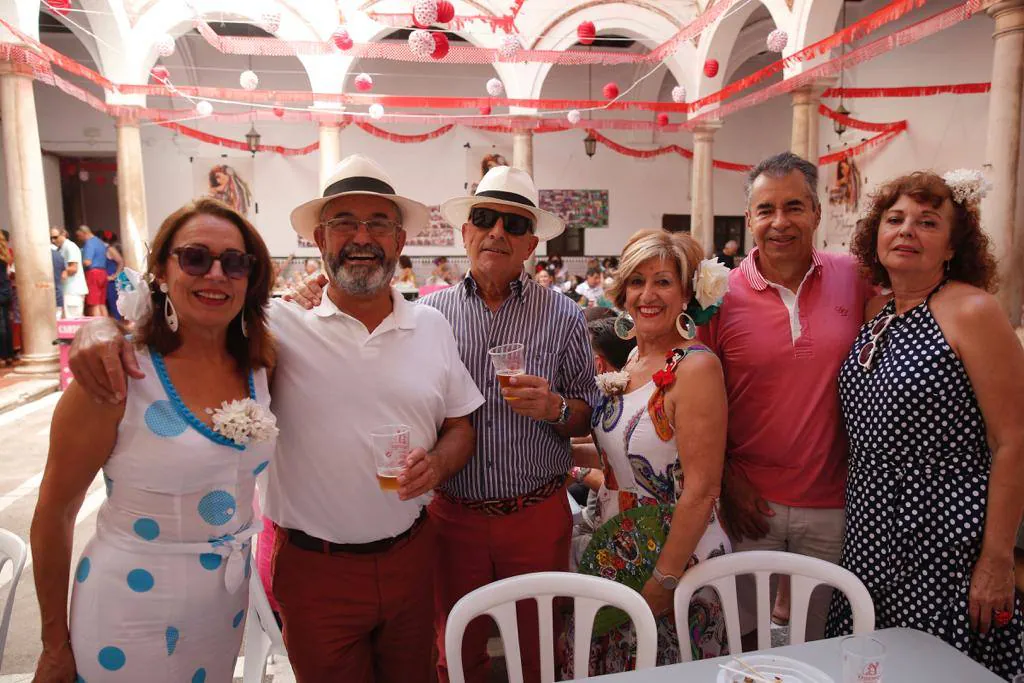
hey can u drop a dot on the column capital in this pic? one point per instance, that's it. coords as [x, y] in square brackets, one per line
[330, 124]
[1008, 15]
[9, 68]
[127, 119]
[705, 130]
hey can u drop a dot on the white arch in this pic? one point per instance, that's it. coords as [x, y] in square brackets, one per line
[750, 43]
[23, 15]
[814, 20]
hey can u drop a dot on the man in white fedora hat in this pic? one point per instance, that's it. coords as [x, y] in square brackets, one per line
[353, 567]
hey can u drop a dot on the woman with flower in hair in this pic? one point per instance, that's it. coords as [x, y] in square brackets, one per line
[160, 592]
[931, 396]
[660, 433]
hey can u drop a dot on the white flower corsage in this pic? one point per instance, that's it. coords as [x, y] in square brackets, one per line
[710, 283]
[244, 421]
[968, 186]
[612, 383]
[134, 301]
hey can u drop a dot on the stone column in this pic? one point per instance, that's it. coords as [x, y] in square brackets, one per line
[330, 150]
[131, 193]
[702, 213]
[522, 150]
[30, 229]
[1003, 150]
[801, 122]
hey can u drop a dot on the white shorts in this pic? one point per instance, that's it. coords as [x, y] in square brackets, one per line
[74, 306]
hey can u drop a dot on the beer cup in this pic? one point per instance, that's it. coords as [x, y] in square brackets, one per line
[390, 449]
[508, 361]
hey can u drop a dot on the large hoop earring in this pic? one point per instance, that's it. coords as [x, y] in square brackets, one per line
[687, 330]
[245, 327]
[170, 315]
[624, 327]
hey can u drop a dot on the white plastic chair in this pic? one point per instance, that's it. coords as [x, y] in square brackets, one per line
[12, 549]
[590, 593]
[806, 572]
[262, 635]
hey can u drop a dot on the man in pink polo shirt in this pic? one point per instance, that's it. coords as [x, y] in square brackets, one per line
[786, 325]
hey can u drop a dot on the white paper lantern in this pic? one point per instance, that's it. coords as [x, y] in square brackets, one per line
[271, 22]
[679, 94]
[249, 80]
[573, 116]
[777, 40]
[424, 12]
[510, 46]
[83, 176]
[204, 108]
[165, 45]
[495, 87]
[421, 43]
[376, 111]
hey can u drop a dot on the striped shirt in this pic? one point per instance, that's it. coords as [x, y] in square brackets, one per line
[516, 454]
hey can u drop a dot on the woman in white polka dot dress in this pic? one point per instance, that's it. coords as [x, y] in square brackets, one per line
[931, 395]
[160, 592]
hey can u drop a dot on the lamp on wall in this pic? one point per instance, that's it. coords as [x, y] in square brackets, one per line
[838, 126]
[590, 142]
[252, 139]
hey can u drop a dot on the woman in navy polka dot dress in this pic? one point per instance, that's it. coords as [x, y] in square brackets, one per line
[931, 394]
[160, 592]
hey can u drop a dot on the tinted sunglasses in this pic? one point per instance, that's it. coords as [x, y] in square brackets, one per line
[867, 352]
[197, 259]
[513, 223]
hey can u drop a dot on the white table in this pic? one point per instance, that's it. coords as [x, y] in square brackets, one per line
[910, 657]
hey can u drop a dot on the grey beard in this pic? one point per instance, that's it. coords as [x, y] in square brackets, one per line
[360, 280]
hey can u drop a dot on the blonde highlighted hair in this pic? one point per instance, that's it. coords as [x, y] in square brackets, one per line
[677, 247]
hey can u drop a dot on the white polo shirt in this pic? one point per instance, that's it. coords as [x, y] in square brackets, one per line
[334, 383]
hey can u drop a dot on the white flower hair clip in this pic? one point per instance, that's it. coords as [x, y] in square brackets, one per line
[968, 185]
[133, 295]
[612, 383]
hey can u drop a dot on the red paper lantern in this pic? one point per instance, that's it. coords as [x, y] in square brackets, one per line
[711, 68]
[440, 45]
[662, 119]
[341, 39]
[445, 11]
[586, 32]
[278, 112]
[160, 73]
[364, 83]
[611, 91]
[485, 110]
[61, 7]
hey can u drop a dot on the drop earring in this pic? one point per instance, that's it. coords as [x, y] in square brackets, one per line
[688, 329]
[170, 315]
[624, 327]
[245, 327]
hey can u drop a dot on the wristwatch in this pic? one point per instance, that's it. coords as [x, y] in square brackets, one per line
[563, 413]
[667, 581]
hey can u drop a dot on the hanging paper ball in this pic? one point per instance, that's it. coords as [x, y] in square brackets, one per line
[421, 43]
[160, 74]
[341, 39]
[83, 175]
[204, 108]
[510, 46]
[278, 112]
[679, 94]
[249, 80]
[573, 116]
[485, 110]
[440, 45]
[364, 83]
[711, 68]
[445, 11]
[165, 45]
[662, 119]
[424, 13]
[777, 40]
[586, 32]
[271, 22]
[495, 87]
[610, 90]
[61, 7]
[376, 111]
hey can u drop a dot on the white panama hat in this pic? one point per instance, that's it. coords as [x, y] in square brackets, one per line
[510, 187]
[359, 175]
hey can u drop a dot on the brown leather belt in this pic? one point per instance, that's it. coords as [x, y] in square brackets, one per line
[508, 506]
[300, 539]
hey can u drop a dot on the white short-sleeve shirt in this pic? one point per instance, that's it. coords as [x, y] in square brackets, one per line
[74, 285]
[334, 383]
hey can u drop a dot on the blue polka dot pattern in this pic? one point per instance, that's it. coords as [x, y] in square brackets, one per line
[210, 561]
[217, 507]
[259, 468]
[146, 528]
[163, 420]
[171, 636]
[140, 581]
[111, 658]
[238, 619]
[82, 573]
[199, 676]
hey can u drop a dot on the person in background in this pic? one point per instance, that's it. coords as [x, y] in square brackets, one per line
[557, 269]
[6, 299]
[591, 290]
[609, 266]
[728, 254]
[75, 287]
[58, 278]
[94, 260]
[115, 264]
[443, 274]
[280, 268]
[310, 268]
[931, 394]
[405, 278]
[543, 278]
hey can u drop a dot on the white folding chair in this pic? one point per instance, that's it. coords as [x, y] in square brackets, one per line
[806, 573]
[14, 550]
[262, 635]
[590, 593]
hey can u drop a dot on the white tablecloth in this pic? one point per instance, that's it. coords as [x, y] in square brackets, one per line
[910, 657]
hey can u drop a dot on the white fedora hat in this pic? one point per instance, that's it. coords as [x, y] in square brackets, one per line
[510, 187]
[359, 175]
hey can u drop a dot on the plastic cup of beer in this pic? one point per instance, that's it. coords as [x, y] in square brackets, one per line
[863, 659]
[390, 449]
[508, 361]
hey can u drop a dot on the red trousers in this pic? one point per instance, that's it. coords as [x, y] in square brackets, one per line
[474, 549]
[358, 618]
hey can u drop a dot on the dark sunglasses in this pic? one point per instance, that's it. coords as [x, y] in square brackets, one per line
[197, 259]
[513, 223]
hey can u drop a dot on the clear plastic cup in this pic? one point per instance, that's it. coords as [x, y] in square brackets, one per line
[508, 360]
[390, 450]
[863, 659]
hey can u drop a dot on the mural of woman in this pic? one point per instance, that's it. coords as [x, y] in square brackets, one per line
[488, 162]
[846, 191]
[227, 186]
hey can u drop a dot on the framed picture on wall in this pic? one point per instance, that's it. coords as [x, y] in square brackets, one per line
[229, 180]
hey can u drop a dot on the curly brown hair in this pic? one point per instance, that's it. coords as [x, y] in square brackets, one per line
[972, 260]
